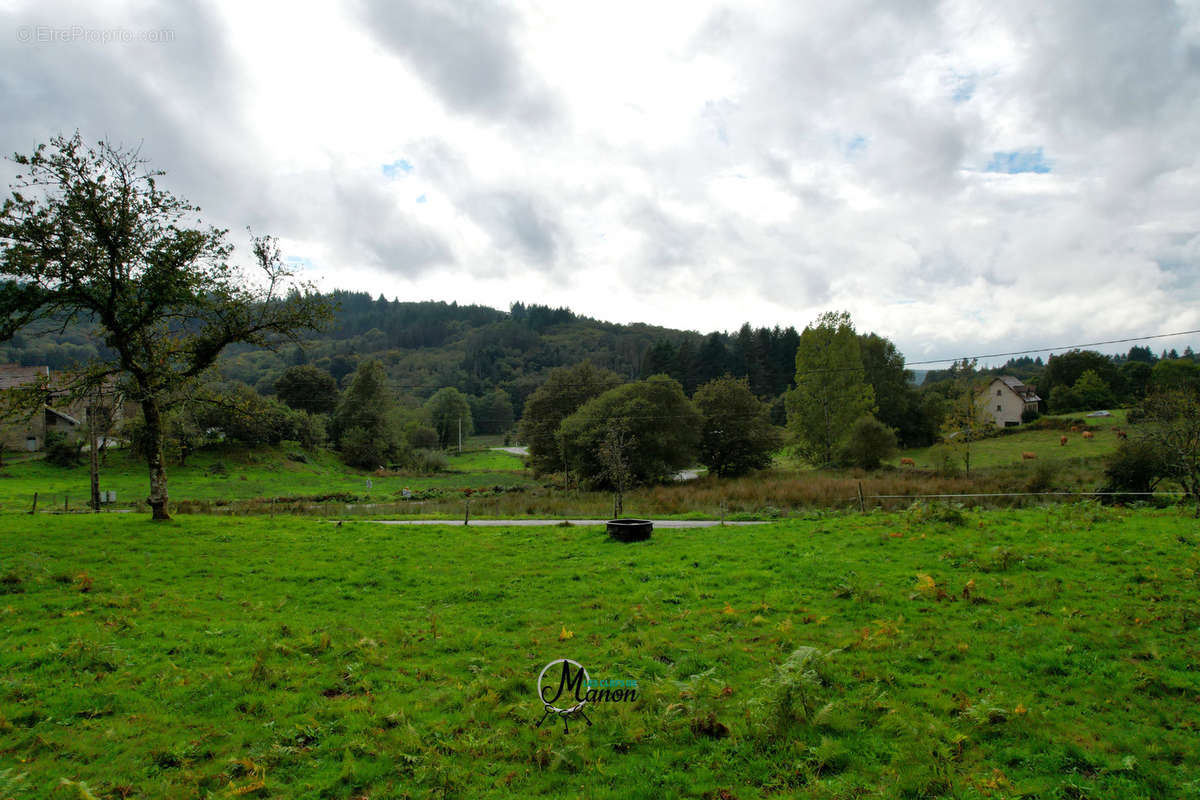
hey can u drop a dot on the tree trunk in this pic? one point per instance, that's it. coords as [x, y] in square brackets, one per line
[155, 461]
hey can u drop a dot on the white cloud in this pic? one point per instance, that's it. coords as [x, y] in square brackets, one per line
[686, 164]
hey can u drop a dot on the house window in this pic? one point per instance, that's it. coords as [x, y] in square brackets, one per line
[998, 408]
[997, 393]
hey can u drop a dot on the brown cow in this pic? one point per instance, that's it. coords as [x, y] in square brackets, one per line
[1062, 442]
[1121, 434]
[907, 462]
[1074, 429]
[1088, 435]
[1025, 456]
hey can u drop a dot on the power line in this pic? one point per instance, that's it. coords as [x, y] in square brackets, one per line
[1049, 349]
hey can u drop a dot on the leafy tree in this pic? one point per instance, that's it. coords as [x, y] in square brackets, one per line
[1141, 354]
[663, 426]
[450, 414]
[1170, 424]
[493, 412]
[966, 419]
[1091, 392]
[242, 415]
[308, 388]
[565, 390]
[830, 392]
[614, 457]
[1179, 373]
[1064, 370]
[1135, 378]
[868, 443]
[88, 235]
[737, 435]
[898, 401]
[362, 424]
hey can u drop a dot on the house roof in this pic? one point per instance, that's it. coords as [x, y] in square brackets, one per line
[14, 375]
[65, 416]
[1026, 393]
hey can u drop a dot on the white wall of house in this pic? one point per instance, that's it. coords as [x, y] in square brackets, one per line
[1005, 405]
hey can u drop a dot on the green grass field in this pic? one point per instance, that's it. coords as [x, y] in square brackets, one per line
[936, 653]
[1007, 449]
[238, 474]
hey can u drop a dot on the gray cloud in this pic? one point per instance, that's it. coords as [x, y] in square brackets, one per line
[797, 158]
[467, 53]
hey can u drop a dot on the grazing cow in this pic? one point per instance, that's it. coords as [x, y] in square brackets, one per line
[907, 462]
[1074, 429]
[1121, 434]
[1088, 435]
[1062, 442]
[1025, 456]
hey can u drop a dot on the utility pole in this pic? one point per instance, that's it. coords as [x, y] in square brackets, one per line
[460, 435]
[93, 455]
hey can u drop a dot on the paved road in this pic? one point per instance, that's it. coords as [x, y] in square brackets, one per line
[516, 451]
[658, 523]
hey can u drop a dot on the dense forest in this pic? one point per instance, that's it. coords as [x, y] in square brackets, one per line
[427, 346]
[486, 353]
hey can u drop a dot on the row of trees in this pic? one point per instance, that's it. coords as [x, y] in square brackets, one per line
[1086, 380]
[582, 417]
[584, 421]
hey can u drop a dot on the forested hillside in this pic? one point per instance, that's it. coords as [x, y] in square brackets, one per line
[426, 346]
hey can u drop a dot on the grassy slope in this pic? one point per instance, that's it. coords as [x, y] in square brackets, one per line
[1007, 449]
[292, 658]
[247, 474]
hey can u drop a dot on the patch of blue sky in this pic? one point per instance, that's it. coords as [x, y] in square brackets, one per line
[856, 145]
[422, 199]
[397, 168]
[1016, 161]
[301, 262]
[964, 89]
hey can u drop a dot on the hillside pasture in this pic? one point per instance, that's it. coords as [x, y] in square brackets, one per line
[1007, 448]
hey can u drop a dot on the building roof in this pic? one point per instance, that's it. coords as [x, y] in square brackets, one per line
[62, 415]
[14, 375]
[1026, 393]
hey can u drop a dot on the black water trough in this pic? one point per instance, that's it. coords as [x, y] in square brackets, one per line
[630, 530]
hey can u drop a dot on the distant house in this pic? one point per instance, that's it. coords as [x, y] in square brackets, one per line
[29, 432]
[1006, 398]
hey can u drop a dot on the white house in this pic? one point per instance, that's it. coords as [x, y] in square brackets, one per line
[1005, 398]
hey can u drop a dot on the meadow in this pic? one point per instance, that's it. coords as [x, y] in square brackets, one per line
[287, 479]
[1045, 444]
[939, 652]
[220, 477]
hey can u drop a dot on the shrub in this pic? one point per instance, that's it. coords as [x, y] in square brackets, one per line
[63, 452]
[1136, 466]
[420, 437]
[427, 461]
[362, 449]
[868, 443]
[1029, 415]
[1044, 475]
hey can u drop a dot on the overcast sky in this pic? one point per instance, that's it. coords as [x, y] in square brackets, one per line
[963, 177]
